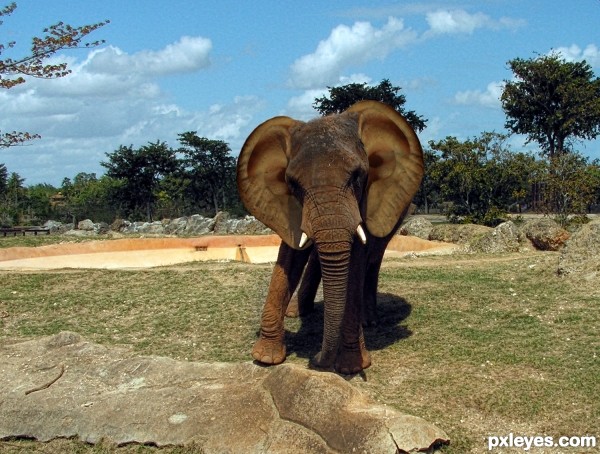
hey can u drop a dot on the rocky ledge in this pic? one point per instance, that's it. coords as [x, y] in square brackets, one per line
[65, 386]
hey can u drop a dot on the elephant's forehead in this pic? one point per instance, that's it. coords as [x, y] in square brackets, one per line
[335, 136]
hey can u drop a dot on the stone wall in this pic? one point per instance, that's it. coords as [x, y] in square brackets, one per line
[195, 225]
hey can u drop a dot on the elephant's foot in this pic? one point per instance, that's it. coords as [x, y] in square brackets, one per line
[268, 351]
[369, 314]
[322, 361]
[292, 310]
[352, 361]
[347, 362]
[299, 309]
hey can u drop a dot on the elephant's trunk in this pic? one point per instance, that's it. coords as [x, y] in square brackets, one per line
[332, 225]
[335, 263]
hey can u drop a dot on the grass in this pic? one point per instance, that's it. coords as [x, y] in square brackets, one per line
[43, 240]
[479, 345]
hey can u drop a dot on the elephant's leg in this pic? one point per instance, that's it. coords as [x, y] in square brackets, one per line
[353, 355]
[270, 346]
[369, 306]
[375, 257]
[303, 302]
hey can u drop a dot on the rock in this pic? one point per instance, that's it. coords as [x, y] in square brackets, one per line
[176, 226]
[65, 386]
[416, 226]
[580, 256]
[462, 234]
[199, 225]
[545, 234]
[249, 225]
[86, 224]
[54, 226]
[154, 228]
[221, 226]
[505, 237]
[119, 225]
[101, 228]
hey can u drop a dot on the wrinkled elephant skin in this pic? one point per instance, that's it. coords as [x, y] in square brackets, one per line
[337, 186]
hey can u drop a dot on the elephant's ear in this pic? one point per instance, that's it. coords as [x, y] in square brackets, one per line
[261, 179]
[395, 164]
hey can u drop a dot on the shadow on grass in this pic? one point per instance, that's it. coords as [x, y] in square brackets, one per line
[391, 311]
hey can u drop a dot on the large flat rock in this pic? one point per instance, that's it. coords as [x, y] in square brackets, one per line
[65, 386]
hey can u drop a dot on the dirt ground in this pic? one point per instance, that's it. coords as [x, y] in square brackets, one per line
[153, 252]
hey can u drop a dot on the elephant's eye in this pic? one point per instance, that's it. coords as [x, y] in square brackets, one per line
[295, 187]
[356, 181]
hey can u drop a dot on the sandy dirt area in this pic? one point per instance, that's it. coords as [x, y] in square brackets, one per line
[152, 252]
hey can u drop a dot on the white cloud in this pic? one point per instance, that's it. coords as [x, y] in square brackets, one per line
[189, 54]
[112, 98]
[110, 73]
[460, 21]
[490, 97]
[346, 47]
[590, 54]
[301, 107]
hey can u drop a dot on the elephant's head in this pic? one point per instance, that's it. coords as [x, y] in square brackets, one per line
[331, 180]
[336, 172]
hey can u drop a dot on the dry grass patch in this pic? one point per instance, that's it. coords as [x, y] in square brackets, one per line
[479, 345]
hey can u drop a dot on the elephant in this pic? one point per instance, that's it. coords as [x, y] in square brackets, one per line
[336, 187]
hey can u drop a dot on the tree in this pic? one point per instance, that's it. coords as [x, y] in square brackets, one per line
[89, 197]
[481, 177]
[3, 179]
[571, 184]
[38, 206]
[552, 102]
[13, 71]
[428, 194]
[210, 171]
[341, 98]
[140, 173]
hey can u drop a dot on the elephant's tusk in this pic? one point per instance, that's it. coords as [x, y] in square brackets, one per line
[303, 240]
[361, 234]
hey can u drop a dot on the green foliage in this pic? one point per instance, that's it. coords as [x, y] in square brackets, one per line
[481, 178]
[209, 173]
[341, 98]
[87, 197]
[140, 172]
[552, 101]
[570, 184]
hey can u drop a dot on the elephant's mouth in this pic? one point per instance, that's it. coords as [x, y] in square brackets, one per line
[359, 232]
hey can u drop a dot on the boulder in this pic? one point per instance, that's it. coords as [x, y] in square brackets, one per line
[119, 225]
[416, 226]
[505, 237]
[86, 224]
[153, 228]
[64, 386]
[545, 234]
[580, 257]
[101, 228]
[56, 227]
[222, 221]
[199, 225]
[462, 234]
[249, 225]
[176, 226]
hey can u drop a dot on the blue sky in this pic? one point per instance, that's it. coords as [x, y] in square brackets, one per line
[220, 68]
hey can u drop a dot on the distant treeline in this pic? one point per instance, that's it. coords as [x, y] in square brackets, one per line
[477, 180]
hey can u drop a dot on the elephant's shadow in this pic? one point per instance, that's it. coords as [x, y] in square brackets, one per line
[392, 310]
